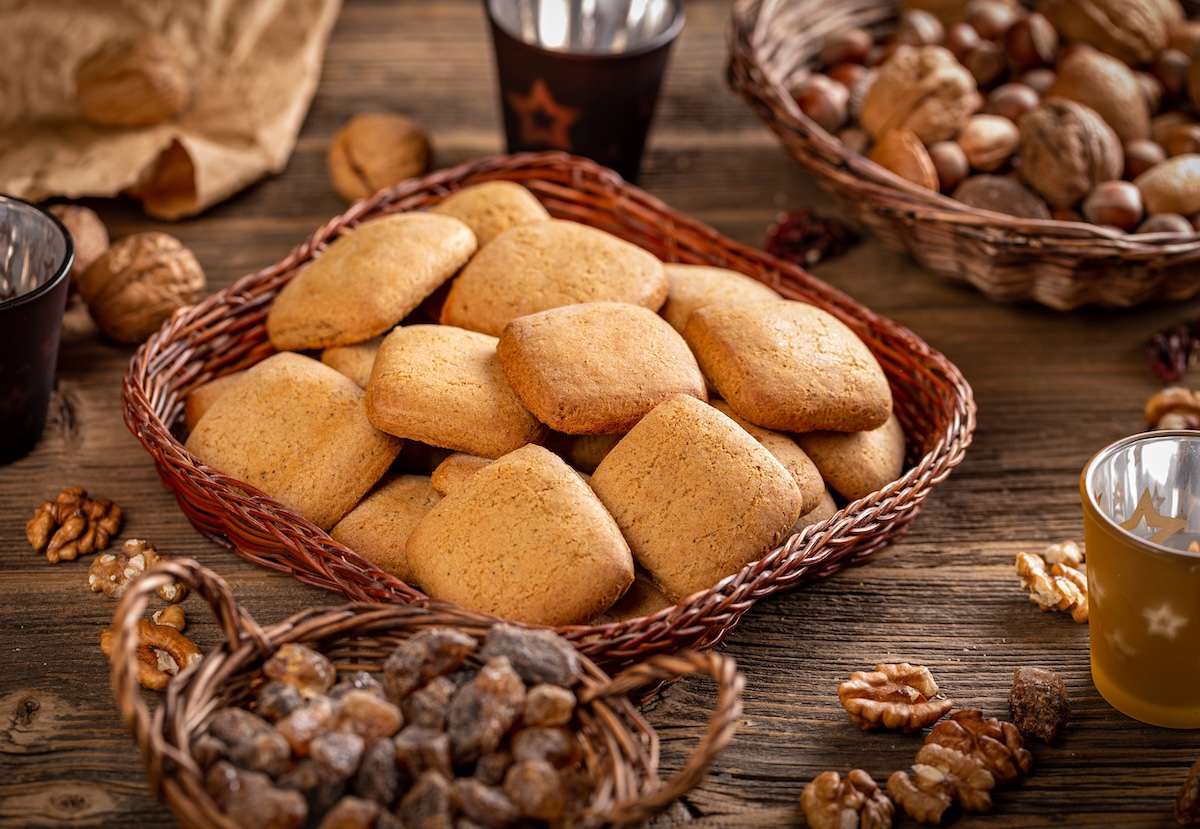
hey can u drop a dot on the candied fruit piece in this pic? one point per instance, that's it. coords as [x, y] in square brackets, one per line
[308, 670]
[483, 710]
[428, 705]
[251, 796]
[356, 681]
[486, 805]
[1039, 703]
[420, 749]
[548, 705]
[535, 788]
[557, 746]
[376, 777]
[430, 653]
[306, 722]
[351, 813]
[536, 655]
[276, 700]
[490, 768]
[428, 804]
[337, 753]
[369, 716]
[250, 741]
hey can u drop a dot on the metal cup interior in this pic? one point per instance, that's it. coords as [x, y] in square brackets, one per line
[1148, 487]
[35, 250]
[590, 27]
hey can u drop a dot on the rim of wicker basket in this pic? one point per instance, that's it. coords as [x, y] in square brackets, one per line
[933, 401]
[620, 748]
[773, 45]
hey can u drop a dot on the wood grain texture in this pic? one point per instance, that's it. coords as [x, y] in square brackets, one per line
[1051, 389]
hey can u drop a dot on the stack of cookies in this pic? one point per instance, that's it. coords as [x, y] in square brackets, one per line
[533, 418]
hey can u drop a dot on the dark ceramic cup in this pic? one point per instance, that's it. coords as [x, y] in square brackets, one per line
[582, 76]
[36, 253]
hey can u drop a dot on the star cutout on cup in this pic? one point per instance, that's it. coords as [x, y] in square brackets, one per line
[1163, 621]
[1117, 640]
[1145, 511]
[543, 119]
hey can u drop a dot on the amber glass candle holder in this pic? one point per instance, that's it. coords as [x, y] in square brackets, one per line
[1141, 525]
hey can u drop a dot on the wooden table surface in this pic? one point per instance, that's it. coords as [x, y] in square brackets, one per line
[1051, 389]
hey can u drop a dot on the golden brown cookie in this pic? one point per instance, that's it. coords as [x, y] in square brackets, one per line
[202, 397]
[524, 539]
[855, 464]
[790, 366]
[443, 386]
[297, 430]
[457, 467]
[534, 267]
[582, 452]
[694, 286]
[368, 280]
[596, 367]
[787, 452]
[379, 525]
[354, 361]
[826, 506]
[492, 207]
[696, 497]
[643, 598]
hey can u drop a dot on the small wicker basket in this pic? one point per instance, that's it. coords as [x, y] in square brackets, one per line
[774, 45]
[226, 332]
[620, 749]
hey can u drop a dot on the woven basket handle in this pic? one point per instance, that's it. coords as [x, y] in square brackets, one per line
[652, 671]
[234, 622]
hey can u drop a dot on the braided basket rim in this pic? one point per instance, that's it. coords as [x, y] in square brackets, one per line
[774, 44]
[226, 332]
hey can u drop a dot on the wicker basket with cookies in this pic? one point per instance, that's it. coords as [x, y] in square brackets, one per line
[526, 388]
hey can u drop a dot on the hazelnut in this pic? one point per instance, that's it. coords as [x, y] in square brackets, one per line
[1039, 79]
[989, 141]
[1172, 186]
[917, 27]
[991, 18]
[1031, 41]
[1117, 203]
[960, 39]
[139, 282]
[848, 74]
[1106, 85]
[1012, 100]
[1185, 138]
[902, 152]
[1066, 149]
[1001, 194]
[951, 164]
[1130, 30]
[88, 233]
[1165, 223]
[924, 90]
[376, 150]
[1171, 68]
[131, 82]
[824, 100]
[846, 46]
[1140, 155]
[987, 63]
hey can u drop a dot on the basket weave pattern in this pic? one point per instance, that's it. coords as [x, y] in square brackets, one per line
[620, 749]
[226, 332]
[774, 45]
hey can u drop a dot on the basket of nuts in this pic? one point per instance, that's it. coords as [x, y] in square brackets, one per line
[1045, 151]
[454, 531]
[393, 715]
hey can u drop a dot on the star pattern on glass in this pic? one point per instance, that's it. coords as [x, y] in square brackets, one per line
[1117, 640]
[1146, 511]
[543, 119]
[1162, 621]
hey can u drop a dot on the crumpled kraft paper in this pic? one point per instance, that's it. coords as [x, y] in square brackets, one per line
[254, 67]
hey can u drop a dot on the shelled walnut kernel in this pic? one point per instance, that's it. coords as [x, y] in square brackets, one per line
[72, 525]
[1062, 587]
[899, 696]
[830, 801]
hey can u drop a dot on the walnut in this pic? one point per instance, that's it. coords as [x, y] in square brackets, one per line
[900, 696]
[1108, 86]
[1132, 30]
[131, 82]
[1062, 588]
[923, 795]
[88, 232]
[831, 802]
[998, 745]
[162, 653]
[140, 282]
[923, 89]
[940, 778]
[1039, 703]
[72, 525]
[1187, 802]
[1173, 408]
[1066, 150]
[374, 151]
[112, 574]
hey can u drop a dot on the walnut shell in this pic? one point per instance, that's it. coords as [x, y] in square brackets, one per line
[1172, 186]
[376, 150]
[88, 232]
[139, 282]
[925, 90]
[1132, 30]
[1066, 149]
[1108, 86]
[131, 82]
